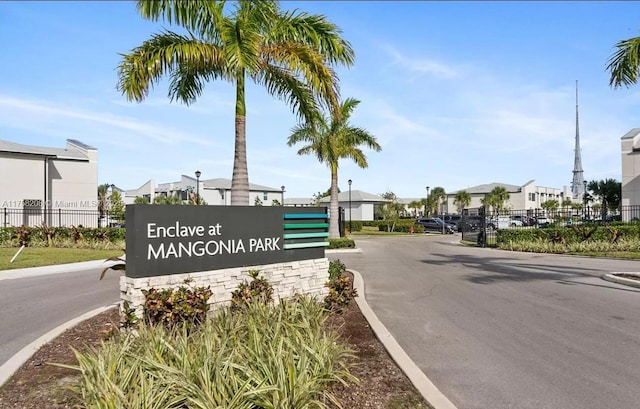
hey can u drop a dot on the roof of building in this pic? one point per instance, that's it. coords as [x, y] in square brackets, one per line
[222, 183]
[488, 187]
[356, 196]
[633, 134]
[59, 153]
[300, 201]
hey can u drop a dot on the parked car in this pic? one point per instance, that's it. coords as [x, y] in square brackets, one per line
[436, 225]
[542, 221]
[526, 220]
[503, 222]
[469, 223]
[453, 219]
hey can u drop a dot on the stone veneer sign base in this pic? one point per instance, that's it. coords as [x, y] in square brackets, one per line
[287, 279]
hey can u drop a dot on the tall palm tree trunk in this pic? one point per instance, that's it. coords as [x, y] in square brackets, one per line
[334, 230]
[240, 178]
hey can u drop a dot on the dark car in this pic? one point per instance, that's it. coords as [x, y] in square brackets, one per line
[436, 225]
[469, 223]
[526, 220]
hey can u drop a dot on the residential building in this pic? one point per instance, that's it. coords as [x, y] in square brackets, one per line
[357, 205]
[529, 196]
[216, 192]
[38, 184]
[630, 149]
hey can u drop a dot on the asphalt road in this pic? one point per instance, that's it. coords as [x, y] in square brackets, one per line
[495, 329]
[31, 307]
[491, 329]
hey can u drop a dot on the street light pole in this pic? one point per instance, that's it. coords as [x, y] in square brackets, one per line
[198, 173]
[426, 213]
[442, 213]
[584, 199]
[282, 187]
[350, 205]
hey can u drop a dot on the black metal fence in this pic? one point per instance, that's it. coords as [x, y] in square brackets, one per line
[30, 217]
[480, 225]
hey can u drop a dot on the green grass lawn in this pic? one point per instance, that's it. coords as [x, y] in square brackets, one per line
[630, 255]
[373, 231]
[45, 256]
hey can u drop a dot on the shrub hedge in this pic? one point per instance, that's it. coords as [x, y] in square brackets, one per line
[342, 243]
[569, 235]
[37, 236]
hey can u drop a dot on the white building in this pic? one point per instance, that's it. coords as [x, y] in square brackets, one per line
[38, 184]
[216, 192]
[630, 148]
[529, 196]
[359, 207]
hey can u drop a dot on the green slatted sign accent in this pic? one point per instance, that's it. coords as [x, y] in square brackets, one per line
[305, 230]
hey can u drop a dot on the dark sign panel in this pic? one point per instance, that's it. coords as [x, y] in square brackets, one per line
[171, 239]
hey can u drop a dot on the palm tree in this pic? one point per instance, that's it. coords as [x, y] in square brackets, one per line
[291, 54]
[624, 64]
[103, 201]
[437, 194]
[609, 191]
[462, 200]
[497, 199]
[332, 139]
[415, 205]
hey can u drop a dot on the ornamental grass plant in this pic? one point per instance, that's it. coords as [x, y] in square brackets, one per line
[260, 356]
[541, 245]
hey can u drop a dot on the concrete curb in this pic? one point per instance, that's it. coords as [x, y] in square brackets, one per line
[621, 280]
[426, 388]
[16, 361]
[55, 269]
[334, 251]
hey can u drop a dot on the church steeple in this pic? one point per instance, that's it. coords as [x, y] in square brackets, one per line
[577, 185]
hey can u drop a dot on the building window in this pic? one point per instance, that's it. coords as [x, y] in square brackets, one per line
[264, 195]
[532, 197]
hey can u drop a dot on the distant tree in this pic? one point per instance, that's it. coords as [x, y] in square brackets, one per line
[497, 199]
[624, 64]
[103, 199]
[116, 210]
[425, 204]
[257, 201]
[390, 210]
[167, 200]
[566, 205]
[609, 192]
[276, 202]
[331, 139]
[550, 206]
[415, 205]
[140, 200]
[462, 200]
[436, 198]
[321, 195]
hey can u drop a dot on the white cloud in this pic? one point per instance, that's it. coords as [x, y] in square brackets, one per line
[48, 117]
[419, 64]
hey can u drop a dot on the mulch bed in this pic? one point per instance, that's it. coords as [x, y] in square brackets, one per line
[38, 385]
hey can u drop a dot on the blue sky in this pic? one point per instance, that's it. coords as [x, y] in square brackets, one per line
[457, 93]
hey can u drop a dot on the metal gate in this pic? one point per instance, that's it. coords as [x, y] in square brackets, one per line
[476, 229]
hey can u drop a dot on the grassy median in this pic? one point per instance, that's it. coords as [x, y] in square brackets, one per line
[48, 256]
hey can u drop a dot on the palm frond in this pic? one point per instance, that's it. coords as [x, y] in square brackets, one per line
[146, 64]
[282, 84]
[624, 64]
[198, 16]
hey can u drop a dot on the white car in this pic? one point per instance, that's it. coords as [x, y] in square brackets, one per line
[503, 222]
